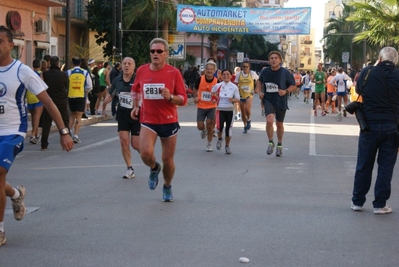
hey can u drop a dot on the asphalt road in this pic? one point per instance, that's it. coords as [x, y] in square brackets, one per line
[288, 211]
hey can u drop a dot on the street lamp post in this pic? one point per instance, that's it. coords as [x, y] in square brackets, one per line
[334, 16]
[157, 18]
[67, 32]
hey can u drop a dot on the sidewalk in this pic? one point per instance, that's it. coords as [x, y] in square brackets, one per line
[91, 120]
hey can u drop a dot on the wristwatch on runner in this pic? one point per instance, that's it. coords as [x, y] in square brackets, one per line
[64, 131]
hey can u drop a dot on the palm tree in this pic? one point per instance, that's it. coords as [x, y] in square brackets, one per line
[157, 14]
[380, 20]
[339, 37]
[253, 46]
[214, 37]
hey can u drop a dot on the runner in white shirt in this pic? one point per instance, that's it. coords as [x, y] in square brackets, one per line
[225, 94]
[339, 81]
[15, 79]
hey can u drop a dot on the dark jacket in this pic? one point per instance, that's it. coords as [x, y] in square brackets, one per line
[96, 84]
[378, 96]
[113, 74]
[57, 82]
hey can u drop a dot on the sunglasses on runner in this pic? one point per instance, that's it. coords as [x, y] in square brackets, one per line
[159, 51]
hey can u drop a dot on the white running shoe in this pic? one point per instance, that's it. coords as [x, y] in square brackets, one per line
[18, 205]
[356, 208]
[129, 174]
[384, 210]
[219, 144]
[209, 147]
[203, 134]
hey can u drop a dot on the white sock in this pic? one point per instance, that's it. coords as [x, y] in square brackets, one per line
[2, 227]
[16, 194]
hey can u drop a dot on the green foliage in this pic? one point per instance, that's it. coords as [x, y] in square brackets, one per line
[253, 46]
[339, 36]
[99, 20]
[380, 20]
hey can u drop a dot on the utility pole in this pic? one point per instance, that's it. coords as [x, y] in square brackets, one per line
[67, 32]
[202, 47]
[120, 28]
[113, 29]
[157, 18]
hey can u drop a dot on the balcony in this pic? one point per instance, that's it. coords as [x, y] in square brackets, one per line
[79, 17]
[48, 3]
[306, 54]
[306, 41]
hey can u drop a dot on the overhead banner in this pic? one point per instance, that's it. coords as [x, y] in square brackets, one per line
[237, 20]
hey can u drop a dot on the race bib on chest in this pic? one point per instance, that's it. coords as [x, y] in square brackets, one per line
[125, 100]
[271, 88]
[246, 89]
[152, 91]
[206, 96]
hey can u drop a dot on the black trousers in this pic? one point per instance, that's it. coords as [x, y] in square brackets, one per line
[47, 120]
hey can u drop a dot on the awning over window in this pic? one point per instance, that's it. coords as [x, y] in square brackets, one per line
[42, 45]
[18, 42]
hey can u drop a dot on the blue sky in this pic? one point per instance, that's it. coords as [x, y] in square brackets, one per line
[317, 14]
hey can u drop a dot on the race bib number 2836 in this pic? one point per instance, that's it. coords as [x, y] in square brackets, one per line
[153, 91]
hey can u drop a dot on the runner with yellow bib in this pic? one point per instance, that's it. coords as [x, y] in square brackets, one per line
[79, 80]
[245, 80]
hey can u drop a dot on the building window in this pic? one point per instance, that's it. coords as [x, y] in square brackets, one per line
[79, 13]
[309, 61]
[15, 52]
[39, 53]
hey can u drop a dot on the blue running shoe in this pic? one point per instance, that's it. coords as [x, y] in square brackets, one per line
[167, 194]
[249, 125]
[245, 129]
[153, 179]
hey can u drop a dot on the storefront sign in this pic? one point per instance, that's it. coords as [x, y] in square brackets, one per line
[234, 20]
[14, 21]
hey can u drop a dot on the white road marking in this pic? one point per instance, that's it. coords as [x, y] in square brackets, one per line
[95, 144]
[312, 137]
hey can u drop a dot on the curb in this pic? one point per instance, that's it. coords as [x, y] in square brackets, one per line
[90, 120]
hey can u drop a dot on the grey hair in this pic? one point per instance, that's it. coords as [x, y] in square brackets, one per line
[160, 41]
[389, 53]
[210, 63]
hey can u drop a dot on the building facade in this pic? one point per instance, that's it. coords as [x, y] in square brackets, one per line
[39, 27]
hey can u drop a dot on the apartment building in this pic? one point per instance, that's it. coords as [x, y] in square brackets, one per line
[39, 26]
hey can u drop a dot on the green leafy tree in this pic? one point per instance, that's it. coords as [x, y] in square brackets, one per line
[136, 36]
[253, 46]
[99, 21]
[339, 37]
[151, 12]
[379, 21]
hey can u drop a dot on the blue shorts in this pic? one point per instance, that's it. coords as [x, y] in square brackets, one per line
[330, 94]
[306, 88]
[10, 146]
[341, 93]
[163, 130]
[36, 105]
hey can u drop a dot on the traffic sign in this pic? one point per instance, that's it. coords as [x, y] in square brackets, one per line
[345, 57]
[240, 57]
[177, 48]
